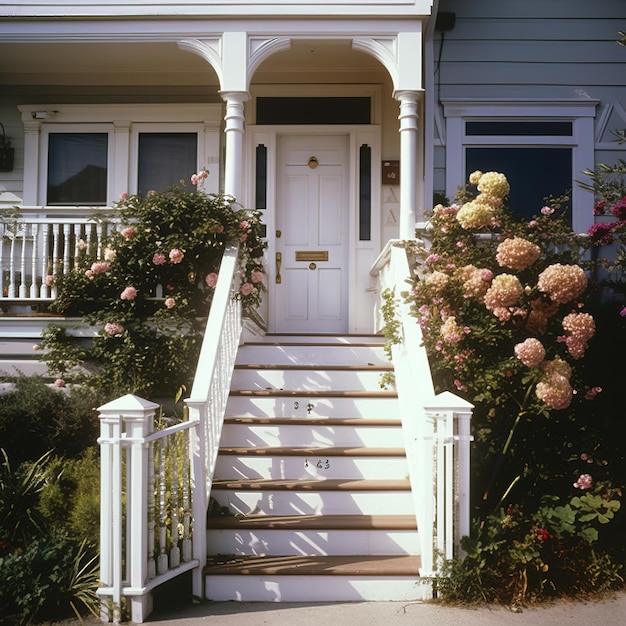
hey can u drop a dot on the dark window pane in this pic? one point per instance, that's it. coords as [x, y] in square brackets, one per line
[533, 173]
[165, 159]
[546, 128]
[365, 193]
[313, 110]
[261, 177]
[77, 168]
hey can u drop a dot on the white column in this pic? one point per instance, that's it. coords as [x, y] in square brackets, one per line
[408, 161]
[33, 186]
[234, 130]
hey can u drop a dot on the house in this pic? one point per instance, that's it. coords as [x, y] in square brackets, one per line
[343, 122]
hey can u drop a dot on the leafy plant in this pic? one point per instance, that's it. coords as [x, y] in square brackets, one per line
[149, 290]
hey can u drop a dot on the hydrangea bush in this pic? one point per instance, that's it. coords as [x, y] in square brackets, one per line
[148, 291]
[508, 312]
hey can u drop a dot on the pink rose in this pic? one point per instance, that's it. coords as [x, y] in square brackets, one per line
[124, 196]
[49, 280]
[159, 259]
[211, 280]
[130, 293]
[59, 382]
[246, 289]
[256, 276]
[176, 255]
[194, 179]
[127, 233]
[113, 328]
[170, 303]
[36, 347]
[89, 274]
[99, 267]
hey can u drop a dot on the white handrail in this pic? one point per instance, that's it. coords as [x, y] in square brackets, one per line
[209, 394]
[435, 428]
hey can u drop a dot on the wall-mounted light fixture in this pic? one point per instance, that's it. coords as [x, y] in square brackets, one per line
[6, 152]
[40, 115]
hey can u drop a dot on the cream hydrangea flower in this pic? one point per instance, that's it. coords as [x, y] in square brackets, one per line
[475, 214]
[505, 291]
[437, 280]
[494, 184]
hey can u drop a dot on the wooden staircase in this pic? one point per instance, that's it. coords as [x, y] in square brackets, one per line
[312, 470]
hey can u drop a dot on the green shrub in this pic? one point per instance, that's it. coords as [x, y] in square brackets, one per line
[52, 578]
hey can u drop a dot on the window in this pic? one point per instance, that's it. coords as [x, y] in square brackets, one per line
[77, 169]
[89, 155]
[164, 159]
[541, 147]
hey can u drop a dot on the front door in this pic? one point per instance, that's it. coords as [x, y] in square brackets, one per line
[310, 293]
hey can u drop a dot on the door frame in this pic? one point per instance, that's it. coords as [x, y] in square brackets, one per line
[361, 253]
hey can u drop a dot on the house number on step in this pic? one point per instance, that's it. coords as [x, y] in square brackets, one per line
[321, 464]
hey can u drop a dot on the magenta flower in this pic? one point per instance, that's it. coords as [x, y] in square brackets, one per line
[130, 293]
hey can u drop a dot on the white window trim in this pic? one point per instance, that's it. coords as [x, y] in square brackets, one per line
[121, 121]
[581, 113]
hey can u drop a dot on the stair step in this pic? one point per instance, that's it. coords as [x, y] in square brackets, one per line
[295, 467]
[316, 522]
[331, 484]
[313, 451]
[312, 354]
[371, 565]
[318, 421]
[320, 339]
[289, 393]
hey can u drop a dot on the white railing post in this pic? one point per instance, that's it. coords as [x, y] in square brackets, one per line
[125, 421]
[452, 438]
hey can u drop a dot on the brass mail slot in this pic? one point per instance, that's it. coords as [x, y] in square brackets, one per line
[311, 255]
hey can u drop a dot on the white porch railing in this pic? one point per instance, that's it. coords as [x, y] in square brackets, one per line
[42, 243]
[155, 485]
[436, 428]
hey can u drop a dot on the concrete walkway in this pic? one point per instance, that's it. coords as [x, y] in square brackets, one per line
[608, 612]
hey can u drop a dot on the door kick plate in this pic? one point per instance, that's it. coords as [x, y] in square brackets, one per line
[311, 255]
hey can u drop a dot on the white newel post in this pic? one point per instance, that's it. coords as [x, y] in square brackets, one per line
[125, 421]
[451, 416]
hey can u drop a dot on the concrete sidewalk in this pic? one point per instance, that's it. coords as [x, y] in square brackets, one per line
[608, 612]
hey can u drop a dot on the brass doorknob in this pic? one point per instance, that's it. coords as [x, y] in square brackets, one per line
[312, 266]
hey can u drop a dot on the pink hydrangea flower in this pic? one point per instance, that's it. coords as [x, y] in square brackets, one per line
[562, 283]
[170, 303]
[517, 253]
[530, 352]
[211, 280]
[130, 293]
[176, 255]
[159, 259]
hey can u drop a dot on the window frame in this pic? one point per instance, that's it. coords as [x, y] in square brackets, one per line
[580, 113]
[122, 122]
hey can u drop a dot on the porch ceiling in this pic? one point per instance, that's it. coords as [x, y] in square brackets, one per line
[162, 64]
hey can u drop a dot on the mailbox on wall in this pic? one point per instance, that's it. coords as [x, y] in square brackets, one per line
[391, 172]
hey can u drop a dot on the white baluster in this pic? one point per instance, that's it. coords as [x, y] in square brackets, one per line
[12, 268]
[175, 550]
[162, 565]
[151, 513]
[33, 261]
[67, 238]
[45, 269]
[22, 288]
[186, 546]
